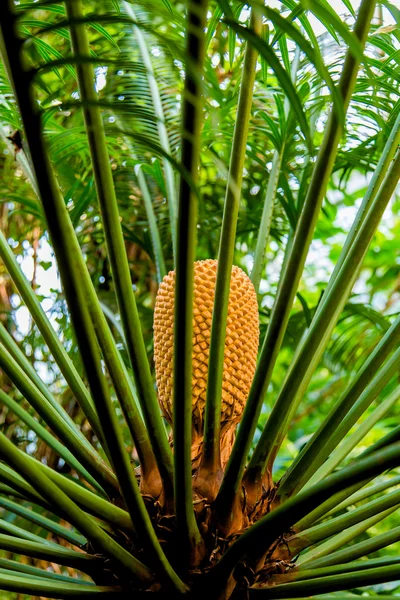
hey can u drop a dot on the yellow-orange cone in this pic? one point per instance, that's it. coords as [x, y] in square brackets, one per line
[240, 354]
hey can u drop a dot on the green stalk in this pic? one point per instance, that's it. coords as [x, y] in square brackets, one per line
[22, 575]
[19, 532]
[351, 442]
[333, 526]
[86, 454]
[161, 126]
[328, 505]
[13, 349]
[266, 219]
[371, 490]
[54, 495]
[58, 530]
[116, 247]
[9, 491]
[111, 356]
[293, 268]
[259, 537]
[316, 449]
[50, 337]
[21, 568]
[121, 381]
[366, 398]
[389, 438]
[325, 439]
[211, 462]
[359, 565]
[343, 538]
[268, 208]
[16, 482]
[111, 516]
[37, 577]
[34, 587]
[333, 583]
[319, 333]
[57, 554]
[358, 550]
[87, 500]
[111, 318]
[189, 539]
[100, 508]
[70, 260]
[47, 437]
[151, 218]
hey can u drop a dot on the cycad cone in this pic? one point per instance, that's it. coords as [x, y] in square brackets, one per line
[240, 354]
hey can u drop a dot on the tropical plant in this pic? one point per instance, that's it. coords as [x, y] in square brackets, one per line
[194, 103]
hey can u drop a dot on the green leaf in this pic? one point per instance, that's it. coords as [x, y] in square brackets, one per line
[313, 54]
[326, 15]
[25, 584]
[284, 79]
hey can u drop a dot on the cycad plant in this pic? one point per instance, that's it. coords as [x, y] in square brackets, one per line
[198, 100]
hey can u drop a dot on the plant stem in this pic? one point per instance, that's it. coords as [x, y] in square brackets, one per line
[50, 337]
[266, 530]
[386, 440]
[54, 495]
[20, 532]
[34, 587]
[333, 583]
[366, 493]
[382, 167]
[47, 437]
[268, 208]
[16, 353]
[211, 462]
[324, 508]
[325, 438]
[317, 448]
[151, 218]
[86, 454]
[343, 538]
[111, 356]
[319, 333]
[58, 530]
[87, 500]
[14, 566]
[187, 530]
[359, 565]
[351, 442]
[116, 247]
[17, 483]
[333, 526]
[59, 554]
[293, 269]
[266, 219]
[70, 262]
[355, 551]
